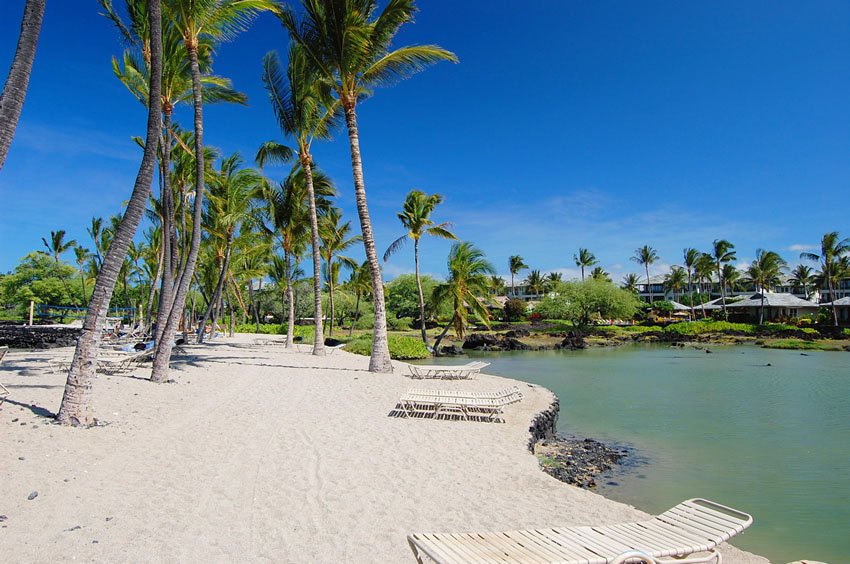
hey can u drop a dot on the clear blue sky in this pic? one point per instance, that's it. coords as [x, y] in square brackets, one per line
[606, 125]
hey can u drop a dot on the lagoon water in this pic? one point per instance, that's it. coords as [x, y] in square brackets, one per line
[766, 431]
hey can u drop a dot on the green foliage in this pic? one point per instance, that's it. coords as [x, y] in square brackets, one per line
[702, 327]
[306, 332]
[800, 344]
[36, 278]
[402, 296]
[584, 302]
[514, 309]
[663, 306]
[398, 323]
[401, 348]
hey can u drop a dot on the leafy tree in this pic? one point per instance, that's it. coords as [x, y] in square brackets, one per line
[584, 302]
[832, 248]
[723, 253]
[416, 218]
[349, 43]
[583, 259]
[515, 309]
[765, 272]
[56, 247]
[646, 256]
[403, 295]
[515, 265]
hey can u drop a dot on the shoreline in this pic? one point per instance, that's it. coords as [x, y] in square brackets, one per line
[259, 452]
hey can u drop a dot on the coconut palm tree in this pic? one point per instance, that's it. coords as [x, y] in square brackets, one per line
[349, 43]
[515, 264]
[704, 269]
[82, 256]
[335, 239]
[723, 253]
[630, 282]
[468, 281]
[832, 247]
[360, 283]
[15, 89]
[732, 277]
[646, 256]
[416, 218]
[200, 23]
[74, 409]
[497, 285]
[583, 259]
[56, 247]
[536, 282]
[690, 257]
[674, 281]
[764, 273]
[599, 275]
[95, 231]
[304, 112]
[553, 280]
[801, 277]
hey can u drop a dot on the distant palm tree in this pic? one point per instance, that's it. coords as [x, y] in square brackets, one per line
[468, 281]
[95, 232]
[416, 218]
[335, 239]
[515, 264]
[349, 43]
[832, 247]
[690, 257]
[704, 269]
[82, 255]
[360, 283]
[674, 281]
[497, 285]
[15, 89]
[801, 277]
[723, 253]
[764, 273]
[598, 274]
[630, 282]
[536, 282]
[584, 258]
[646, 256]
[732, 277]
[56, 247]
[553, 280]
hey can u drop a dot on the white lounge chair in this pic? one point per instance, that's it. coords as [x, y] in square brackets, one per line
[456, 404]
[688, 533]
[125, 363]
[458, 372]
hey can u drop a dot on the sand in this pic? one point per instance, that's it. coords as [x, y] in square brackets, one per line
[259, 453]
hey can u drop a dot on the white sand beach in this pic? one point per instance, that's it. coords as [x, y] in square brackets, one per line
[257, 453]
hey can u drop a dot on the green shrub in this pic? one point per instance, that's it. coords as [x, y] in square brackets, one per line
[365, 321]
[514, 309]
[701, 327]
[401, 348]
[398, 323]
[306, 332]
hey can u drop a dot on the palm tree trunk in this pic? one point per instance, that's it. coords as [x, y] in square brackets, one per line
[152, 291]
[64, 281]
[702, 303]
[356, 315]
[217, 294]
[331, 297]
[442, 334]
[421, 295]
[254, 304]
[318, 337]
[15, 89]
[761, 310]
[380, 359]
[691, 294]
[290, 299]
[831, 296]
[75, 409]
[648, 285]
[163, 355]
[166, 292]
[83, 282]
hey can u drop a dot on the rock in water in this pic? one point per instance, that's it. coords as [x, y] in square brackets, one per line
[576, 461]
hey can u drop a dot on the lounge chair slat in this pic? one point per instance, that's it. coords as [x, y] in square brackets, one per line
[433, 546]
[463, 547]
[533, 543]
[502, 549]
[697, 521]
[571, 547]
[707, 515]
[593, 542]
[639, 540]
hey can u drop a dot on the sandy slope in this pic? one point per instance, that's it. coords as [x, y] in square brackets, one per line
[261, 454]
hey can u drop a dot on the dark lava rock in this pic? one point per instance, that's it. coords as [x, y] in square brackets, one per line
[451, 350]
[331, 342]
[37, 337]
[511, 344]
[572, 342]
[577, 461]
[480, 341]
[515, 333]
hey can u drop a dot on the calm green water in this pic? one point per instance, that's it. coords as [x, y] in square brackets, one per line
[773, 440]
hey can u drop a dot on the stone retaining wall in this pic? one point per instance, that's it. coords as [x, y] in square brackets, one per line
[544, 424]
[38, 337]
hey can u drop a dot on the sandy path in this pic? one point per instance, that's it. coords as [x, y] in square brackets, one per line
[260, 454]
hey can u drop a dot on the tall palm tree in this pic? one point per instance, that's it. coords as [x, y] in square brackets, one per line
[515, 265]
[536, 282]
[200, 22]
[497, 285]
[723, 253]
[731, 276]
[416, 218]
[598, 274]
[82, 256]
[674, 281]
[335, 239]
[349, 43]
[583, 259]
[704, 269]
[764, 273]
[468, 281]
[56, 247]
[95, 231]
[832, 247]
[74, 409]
[646, 256]
[630, 282]
[361, 284]
[304, 112]
[801, 277]
[15, 89]
[231, 196]
[690, 257]
[553, 280]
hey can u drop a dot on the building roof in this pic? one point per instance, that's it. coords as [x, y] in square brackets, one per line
[772, 299]
[839, 302]
[679, 307]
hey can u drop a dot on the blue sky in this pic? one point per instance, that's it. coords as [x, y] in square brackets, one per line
[606, 125]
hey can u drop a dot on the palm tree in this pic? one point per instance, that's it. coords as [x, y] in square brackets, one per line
[82, 256]
[15, 89]
[704, 269]
[200, 23]
[584, 258]
[469, 278]
[722, 253]
[416, 218]
[630, 282]
[335, 239]
[305, 113]
[231, 195]
[690, 257]
[497, 285]
[74, 409]
[832, 248]
[515, 264]
[598, 274]
[536, 282]
[646, 256]
[801, 277]
[731, 277]
[553, 280]
[764, 272]
[56, 247]
[361, 284]
[674, 281]
[350, 46]
[95, 231]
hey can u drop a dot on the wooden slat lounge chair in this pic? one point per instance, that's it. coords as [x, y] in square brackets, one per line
[688, 533]
[124, 363]
[456, 404]
[458, 372]
[4, 391]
